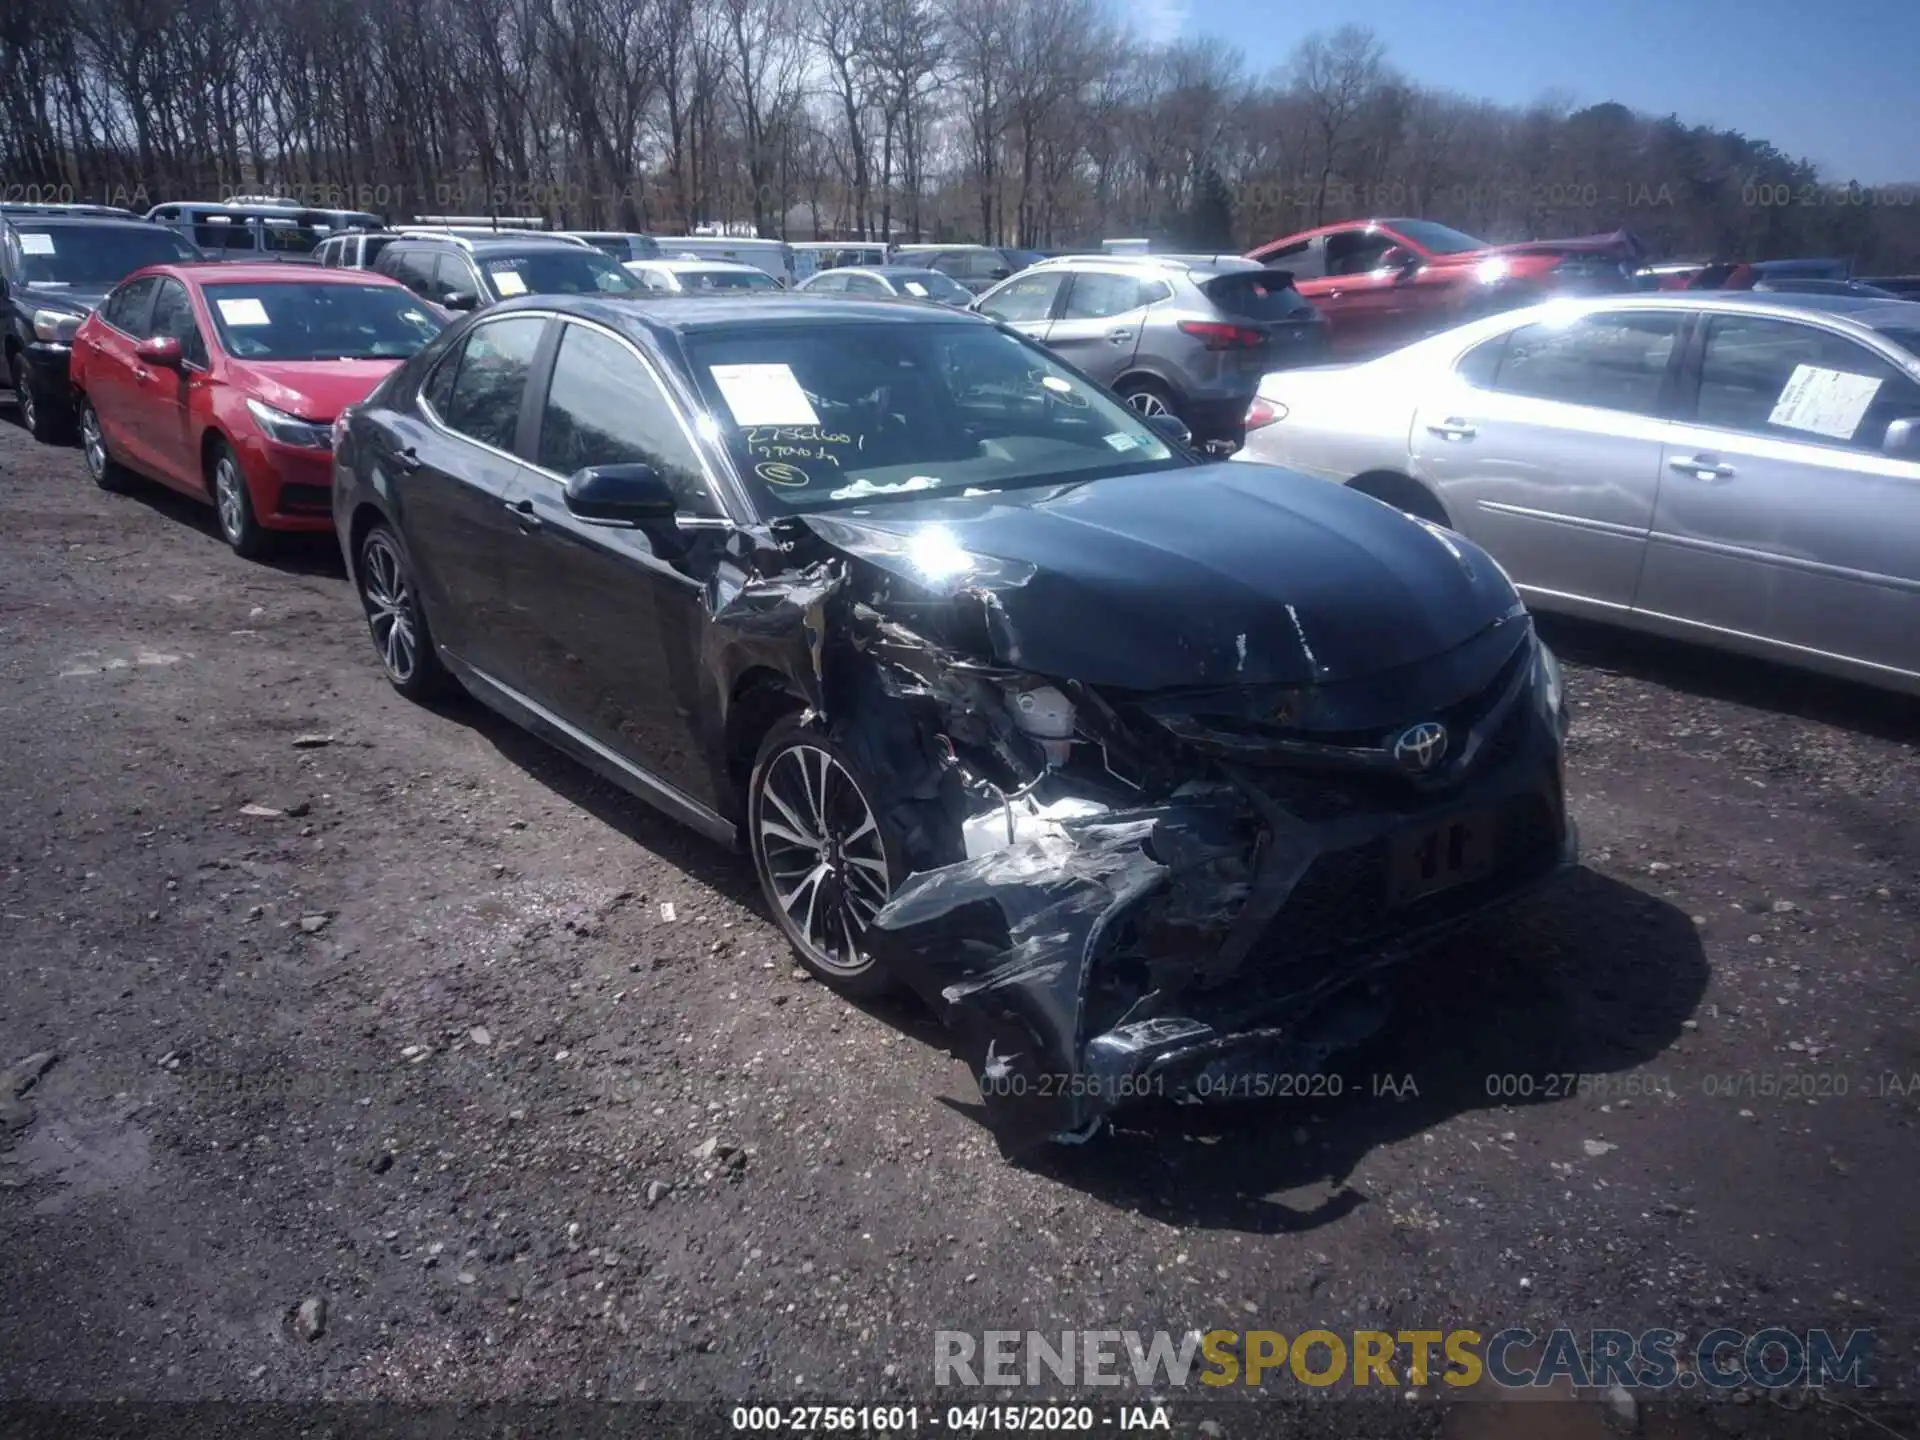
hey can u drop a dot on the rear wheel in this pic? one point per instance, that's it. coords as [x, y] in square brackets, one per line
[1149, 398]
[109, 474]
[239, 526]
[396, 621]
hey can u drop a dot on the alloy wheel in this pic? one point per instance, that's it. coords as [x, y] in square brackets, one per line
[1145, 402]
[232, 504]
[29, 407]
[823, 855]
[389, 602]
[93, 444]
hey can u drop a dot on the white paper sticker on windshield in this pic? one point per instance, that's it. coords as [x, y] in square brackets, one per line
[508, 282]
[914, 287]
[763, 395]
[243, 312]
[1824, 402]
[1122, 442]
[31, 244]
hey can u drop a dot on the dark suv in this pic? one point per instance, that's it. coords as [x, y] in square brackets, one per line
[54, 269]
[468, 272]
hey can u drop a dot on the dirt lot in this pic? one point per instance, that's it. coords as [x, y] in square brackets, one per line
[437, 1044]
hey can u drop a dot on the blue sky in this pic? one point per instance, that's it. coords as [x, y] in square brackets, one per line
[1838, 82]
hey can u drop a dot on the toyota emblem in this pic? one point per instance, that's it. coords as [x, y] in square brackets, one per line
[1419, 748]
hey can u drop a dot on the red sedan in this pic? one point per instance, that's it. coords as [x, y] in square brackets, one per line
[1382, 283]
[223, 380]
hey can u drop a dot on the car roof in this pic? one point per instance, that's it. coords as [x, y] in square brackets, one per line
[1867, 311]
[92, 222]
[687, 315]
[893, 271]
[1202, 265]
[681, 264]
[262, 272]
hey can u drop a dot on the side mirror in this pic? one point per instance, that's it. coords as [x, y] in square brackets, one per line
[1902, 440]
[1172, 427]
[161, 350]
[1401, 261]
[999, 273]
[459, 300]
[620, 495]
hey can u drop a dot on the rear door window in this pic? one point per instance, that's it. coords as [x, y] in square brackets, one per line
[483, 402]
[1609, 361]
[1097, 294]
[1258, 295]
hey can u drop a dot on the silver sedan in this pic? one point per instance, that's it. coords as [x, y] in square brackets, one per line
[1736, 470]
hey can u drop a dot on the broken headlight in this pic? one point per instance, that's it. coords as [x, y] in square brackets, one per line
[1041, 712]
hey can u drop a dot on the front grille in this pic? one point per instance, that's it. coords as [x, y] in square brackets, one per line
[1341, 902]
[305, 499]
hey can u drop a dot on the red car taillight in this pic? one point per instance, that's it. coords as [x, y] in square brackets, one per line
[1264, 412]
[1217, 335]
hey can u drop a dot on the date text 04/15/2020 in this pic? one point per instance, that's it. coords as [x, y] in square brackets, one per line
[955, 1419]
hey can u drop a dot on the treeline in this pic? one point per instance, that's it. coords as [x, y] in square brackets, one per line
[1034, 122]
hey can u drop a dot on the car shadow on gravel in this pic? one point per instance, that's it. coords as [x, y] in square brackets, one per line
[305, 553]
[1738, 679]
[1555, 1001]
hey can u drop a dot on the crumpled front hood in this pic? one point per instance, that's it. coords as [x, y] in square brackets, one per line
[1226, 573]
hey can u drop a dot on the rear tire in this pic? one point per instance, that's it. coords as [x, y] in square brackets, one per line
[108, 473]
[1148, 398]
[398, 625]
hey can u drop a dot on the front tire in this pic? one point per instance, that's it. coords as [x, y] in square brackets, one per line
[42, 417]
[827, 853]
[233, 504]
[396, 621]
[109, 474]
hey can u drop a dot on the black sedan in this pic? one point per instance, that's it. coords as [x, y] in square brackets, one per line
[1130, 763]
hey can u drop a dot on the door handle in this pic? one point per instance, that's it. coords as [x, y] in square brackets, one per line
[1119, 337]
[1701, 467]
[407, 459]
[522, 510]
[140, 374]
[1453, 430]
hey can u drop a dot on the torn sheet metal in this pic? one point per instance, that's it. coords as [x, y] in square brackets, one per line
[1150, 953]
[779, 623]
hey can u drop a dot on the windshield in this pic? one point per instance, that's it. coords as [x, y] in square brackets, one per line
[557, 270]
[1907, 337]
[829, 416]
[1436, 239]
[95, 256]
[930, 285]
[317, 320]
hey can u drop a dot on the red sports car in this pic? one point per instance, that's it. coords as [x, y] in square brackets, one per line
[1382, 283]
[222, 380]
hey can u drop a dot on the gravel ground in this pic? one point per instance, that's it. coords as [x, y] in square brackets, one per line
[390, 1045]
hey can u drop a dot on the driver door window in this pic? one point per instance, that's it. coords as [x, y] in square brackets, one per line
[1767, 377]
[604, 407]
[126, 308]
[1356, 252]
[173, 319]
[1028, 300]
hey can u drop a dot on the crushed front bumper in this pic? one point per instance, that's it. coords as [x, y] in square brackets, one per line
[1172, 950]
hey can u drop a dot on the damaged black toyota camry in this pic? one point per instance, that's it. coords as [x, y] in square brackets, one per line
[1138, 767]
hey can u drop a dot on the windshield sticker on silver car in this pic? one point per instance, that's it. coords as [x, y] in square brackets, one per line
[508, 282]
[763, 395]
[1824, 402]
[32, 244]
